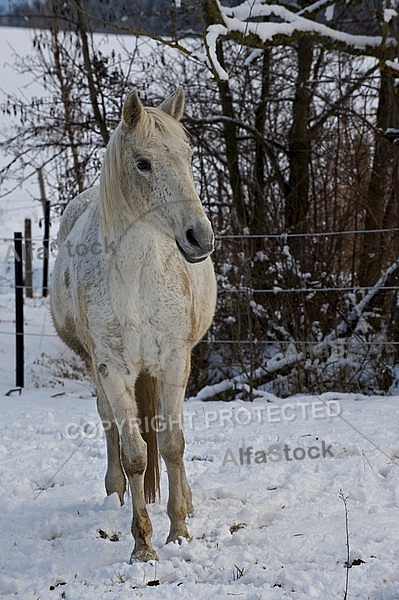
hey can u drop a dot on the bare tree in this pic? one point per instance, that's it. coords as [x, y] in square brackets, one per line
[288, 142]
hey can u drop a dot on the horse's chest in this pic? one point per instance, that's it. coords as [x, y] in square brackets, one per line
[157, 316]
[152, 338]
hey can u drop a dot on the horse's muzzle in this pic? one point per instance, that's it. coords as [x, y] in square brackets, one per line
[197, 243]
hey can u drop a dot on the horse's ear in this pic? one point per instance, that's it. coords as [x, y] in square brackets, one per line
[132, 109]
[174, 104]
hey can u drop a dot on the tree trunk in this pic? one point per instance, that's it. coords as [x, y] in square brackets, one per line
[258, 225]
[382, 197]
[299, 151]
[82, 30]
[232, 149]
[65, 91]
[212, 15]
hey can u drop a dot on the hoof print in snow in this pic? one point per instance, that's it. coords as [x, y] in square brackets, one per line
[58, 583]
[236, 526]
[202, 458]
[114, 537]
[353, 563]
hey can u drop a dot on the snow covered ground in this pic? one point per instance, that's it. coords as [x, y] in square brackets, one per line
[261, 530]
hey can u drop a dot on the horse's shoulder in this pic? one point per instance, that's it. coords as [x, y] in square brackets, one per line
[74, 210]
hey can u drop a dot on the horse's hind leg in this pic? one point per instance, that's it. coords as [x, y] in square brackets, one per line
[171, 444]
[115, 480]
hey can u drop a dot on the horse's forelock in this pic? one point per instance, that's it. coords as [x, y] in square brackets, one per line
[155, 120]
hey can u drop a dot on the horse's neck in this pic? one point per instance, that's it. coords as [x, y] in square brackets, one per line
[114, 213]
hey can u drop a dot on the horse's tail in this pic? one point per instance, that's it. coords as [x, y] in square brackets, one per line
[147, 399]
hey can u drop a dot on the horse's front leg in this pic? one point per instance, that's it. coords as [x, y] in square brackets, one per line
[119, 390]
[171, 445]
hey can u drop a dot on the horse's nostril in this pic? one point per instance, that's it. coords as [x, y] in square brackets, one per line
[192, 239]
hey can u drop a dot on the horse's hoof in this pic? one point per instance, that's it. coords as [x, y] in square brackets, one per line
[143, 555]
[179, 538]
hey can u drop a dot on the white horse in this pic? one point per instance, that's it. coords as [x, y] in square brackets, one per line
[133, 291]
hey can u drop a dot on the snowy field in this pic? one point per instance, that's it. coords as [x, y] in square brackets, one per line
[263, 530]
[268, 523]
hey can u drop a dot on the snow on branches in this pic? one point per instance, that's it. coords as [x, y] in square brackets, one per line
[256, 23]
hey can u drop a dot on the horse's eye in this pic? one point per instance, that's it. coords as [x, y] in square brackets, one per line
[143, 164]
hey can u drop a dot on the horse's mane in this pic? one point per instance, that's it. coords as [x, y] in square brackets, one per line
[151, 120]
[74, 210]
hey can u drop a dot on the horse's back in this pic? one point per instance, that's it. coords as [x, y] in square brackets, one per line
[66, 295]
[74, 210]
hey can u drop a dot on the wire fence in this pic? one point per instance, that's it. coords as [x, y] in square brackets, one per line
[7, 282]
[284, 235]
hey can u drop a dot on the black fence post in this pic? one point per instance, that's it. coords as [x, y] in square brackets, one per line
[46, 247]
[28, 258]
[19, 310]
